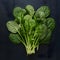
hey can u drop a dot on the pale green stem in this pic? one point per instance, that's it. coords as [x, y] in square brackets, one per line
[22, 39]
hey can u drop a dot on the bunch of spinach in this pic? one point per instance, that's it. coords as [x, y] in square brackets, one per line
[30, 27]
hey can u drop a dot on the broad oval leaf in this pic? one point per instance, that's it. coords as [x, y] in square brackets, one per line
[41, 31]
[14, 38]
[27, 17]
[16, 11]
[43, 11]
[51, 23]
[46, 40]
[30, 9]
[26, 24]
[32, 23]
[12, 26]
[19, 13]
[29, 22]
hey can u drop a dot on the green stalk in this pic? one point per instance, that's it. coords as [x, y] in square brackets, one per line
[22, 39]
[30, 49]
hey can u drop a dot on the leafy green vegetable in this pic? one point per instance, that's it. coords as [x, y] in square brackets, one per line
[50, 23]
[43, 11]
[19, 13]
[14, 38]
[29, 22]
[30, 27]
[12, 26]
[41, 31]
[30, 9]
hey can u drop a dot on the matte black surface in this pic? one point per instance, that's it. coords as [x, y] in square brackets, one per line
[9, 51]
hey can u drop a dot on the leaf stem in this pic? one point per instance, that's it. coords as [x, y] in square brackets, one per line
[22, 39]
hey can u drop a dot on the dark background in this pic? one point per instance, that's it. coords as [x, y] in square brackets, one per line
[9, 51]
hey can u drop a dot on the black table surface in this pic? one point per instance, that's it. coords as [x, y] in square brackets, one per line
[9, 51]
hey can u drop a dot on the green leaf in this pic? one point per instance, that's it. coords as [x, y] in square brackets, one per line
[30, 9]
[32, 23]
[42, 12]
[50, 23]
[14, 38]
[12, 26]
[41, 31]
[29, 22]
[46, 40]
[26, 23]
[19, 13]
[16, 11]
[27, 17]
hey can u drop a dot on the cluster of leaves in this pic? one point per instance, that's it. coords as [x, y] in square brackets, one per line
[30, 27]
